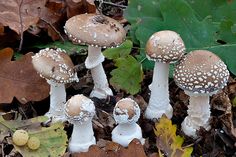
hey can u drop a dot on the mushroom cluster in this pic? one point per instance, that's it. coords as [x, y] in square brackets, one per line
[57, 68]
[96, 31]
[200, 74]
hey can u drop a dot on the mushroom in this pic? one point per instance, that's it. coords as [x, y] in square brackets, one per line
[97, 31]
[57, 68]
[200, 74]
[126, 113]
[79, 111]
[163, 47]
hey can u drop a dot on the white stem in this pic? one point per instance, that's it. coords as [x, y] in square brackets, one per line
[94, 62]
[57, 100]
[198, 115]
[159, 102]
[125, 133]
[82, 137]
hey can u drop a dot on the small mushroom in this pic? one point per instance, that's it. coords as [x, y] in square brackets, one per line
[163, 47]
[57, 68]
[96, 31]
[79, 111]
[200, 74]
[126, 113]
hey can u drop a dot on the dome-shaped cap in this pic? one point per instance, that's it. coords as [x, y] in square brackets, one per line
[95, 30]
[54, 65]
[165, 46]
[126, 111]
[201, 72]
[79, 108]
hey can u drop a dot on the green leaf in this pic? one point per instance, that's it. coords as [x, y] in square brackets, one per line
[168, 141]
[53, 142]
[128, 75]
[122, 51]
[196, 28]
[67, 45]
[53, 139]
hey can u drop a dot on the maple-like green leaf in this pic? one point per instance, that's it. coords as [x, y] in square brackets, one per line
[168, 141]
[197, 30]
[128, 75]
[53, 139]
[122, 51]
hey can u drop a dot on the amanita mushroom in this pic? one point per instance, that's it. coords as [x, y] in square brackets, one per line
[57, 68]
[200, 74]
[79, 111]
[163, 47]
[97, 31]
[126, 113]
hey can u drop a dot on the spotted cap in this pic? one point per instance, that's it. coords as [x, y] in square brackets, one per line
[201, 72]
[54, 65]
[79, 108]
[126, 111]
[165, 46]
[95, 30]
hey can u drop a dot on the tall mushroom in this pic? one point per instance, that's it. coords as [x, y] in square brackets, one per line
[200, 74]
[80, 110]
[57, 68]
[97, 31]
[163, 47]
[126, 113]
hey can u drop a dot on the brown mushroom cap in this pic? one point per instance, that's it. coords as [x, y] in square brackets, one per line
[54, 65]
[95, 30]
[201, 72]
[126, 110]
[79, 108]
[165, 46]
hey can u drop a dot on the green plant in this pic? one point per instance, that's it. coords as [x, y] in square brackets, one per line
[211, 26]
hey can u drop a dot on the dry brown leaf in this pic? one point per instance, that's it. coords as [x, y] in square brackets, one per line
[135, 149]
[83, 6]
[12, 12]
[19, 79]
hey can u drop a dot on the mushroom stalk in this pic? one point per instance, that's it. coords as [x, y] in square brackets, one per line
[57, 100]
[82, 137]
[126, 132]
[159, 99]
[198, 115]
[94, 62]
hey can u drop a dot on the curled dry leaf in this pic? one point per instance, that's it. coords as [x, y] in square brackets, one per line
[75, 7]
[222, 102]
[19, 79]
[20, 14]
[135, 149]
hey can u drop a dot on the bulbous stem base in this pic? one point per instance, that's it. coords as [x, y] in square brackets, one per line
[198, 115]
[125, 133]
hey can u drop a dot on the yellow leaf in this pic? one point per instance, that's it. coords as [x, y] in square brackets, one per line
[168, 141]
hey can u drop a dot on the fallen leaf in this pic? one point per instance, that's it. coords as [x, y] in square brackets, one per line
[135, 149]
[221, 102]
[79, 7]
[167, 140]
[20, 14]
[19, 79]
[53, 139]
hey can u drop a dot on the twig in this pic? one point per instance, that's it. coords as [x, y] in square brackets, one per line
[113, 4]
[54, 29]
[21, 27]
